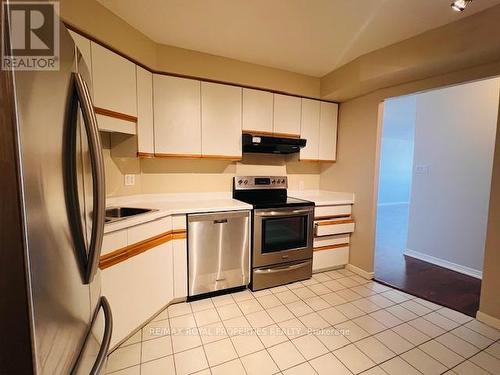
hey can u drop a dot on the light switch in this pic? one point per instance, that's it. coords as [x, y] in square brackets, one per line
[422, 169]
[129, 179]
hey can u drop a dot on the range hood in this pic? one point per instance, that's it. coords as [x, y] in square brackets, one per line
[271, 145]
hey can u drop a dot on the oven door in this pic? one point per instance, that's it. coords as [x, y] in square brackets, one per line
[282, 235]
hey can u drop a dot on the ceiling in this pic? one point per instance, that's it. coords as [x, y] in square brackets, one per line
[311, 37]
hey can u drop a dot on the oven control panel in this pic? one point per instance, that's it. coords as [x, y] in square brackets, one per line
[260, 182]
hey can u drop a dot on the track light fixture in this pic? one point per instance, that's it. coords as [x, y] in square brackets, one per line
[460, 5]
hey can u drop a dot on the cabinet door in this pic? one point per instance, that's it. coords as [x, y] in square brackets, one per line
[180, 268]
[177, 116]
[114, 81]
[328, 131]
[145, 129]
[83, 45]
[138, 288]
[287, 115]
[309, 129]
[257, 111]
[220, 120]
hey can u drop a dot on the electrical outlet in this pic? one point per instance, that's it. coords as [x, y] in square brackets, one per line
[129, 179]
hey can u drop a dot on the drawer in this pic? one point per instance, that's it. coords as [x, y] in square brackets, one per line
[331, 227]
[145, 231]
[325, 241]
[325, 212]
[179, 222]
[114, 241]
[328, 259]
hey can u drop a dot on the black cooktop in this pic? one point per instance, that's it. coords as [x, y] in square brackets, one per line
[288, 202]
[263, 198]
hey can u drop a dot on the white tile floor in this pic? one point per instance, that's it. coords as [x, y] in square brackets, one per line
[335, 323]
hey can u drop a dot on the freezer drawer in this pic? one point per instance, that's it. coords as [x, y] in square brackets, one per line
[268, 277]
[218, 251]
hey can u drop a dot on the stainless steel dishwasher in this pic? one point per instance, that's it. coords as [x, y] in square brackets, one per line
[218, 251]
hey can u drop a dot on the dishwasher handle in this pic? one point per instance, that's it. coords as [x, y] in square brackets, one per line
[218, 217]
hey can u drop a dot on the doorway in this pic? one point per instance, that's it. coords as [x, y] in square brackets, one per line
[436, 159]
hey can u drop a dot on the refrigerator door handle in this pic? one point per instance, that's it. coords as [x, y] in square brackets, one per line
[97, 166]
[106, 340]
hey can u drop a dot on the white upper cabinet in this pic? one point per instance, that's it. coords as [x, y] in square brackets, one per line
[287, 115]
[257, 111]
[114, 81]
[309, 129]
[145, 128]
[83, 45]
[221, 120]
[328, 131]
[177, 107]
[114, 89]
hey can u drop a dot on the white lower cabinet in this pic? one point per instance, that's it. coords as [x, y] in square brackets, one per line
[332, 236]
[138, 288]
[327, 259]
[141, 285]
[180, 268]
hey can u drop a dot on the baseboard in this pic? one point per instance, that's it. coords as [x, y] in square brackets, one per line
[360, 272]
[488, 319]
[393, 204]
[444, 263]
[320, 270]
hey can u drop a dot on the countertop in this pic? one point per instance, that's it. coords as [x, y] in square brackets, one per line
[187, 203]
[323, 197]
[171, 204]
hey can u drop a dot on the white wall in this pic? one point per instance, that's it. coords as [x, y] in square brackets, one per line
[396, 157]
[453, 160]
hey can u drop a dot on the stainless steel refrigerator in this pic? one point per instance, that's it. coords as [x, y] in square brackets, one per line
[54, 186]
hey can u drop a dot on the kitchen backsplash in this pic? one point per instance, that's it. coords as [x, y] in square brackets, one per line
[197, 175]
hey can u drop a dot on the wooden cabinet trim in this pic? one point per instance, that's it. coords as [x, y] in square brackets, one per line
[145, 155]
[286, 135]
[197, 156]
[130, 251]
[257, 133]
[335, 222]
[117, 115]
[331, 247]
[331, 217]
[178, 156]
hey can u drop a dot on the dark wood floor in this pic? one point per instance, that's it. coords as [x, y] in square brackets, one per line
[425, 280]
[436, 284]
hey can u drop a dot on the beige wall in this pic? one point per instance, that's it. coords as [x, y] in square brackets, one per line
[94, 19]
[197, 175]
[490, 291]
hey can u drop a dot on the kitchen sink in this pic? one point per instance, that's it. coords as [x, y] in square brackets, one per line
[120, 213]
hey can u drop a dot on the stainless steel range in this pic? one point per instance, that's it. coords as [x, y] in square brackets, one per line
[282, 231]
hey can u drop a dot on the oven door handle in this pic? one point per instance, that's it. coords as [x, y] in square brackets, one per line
[282, 269]
[285, 212]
